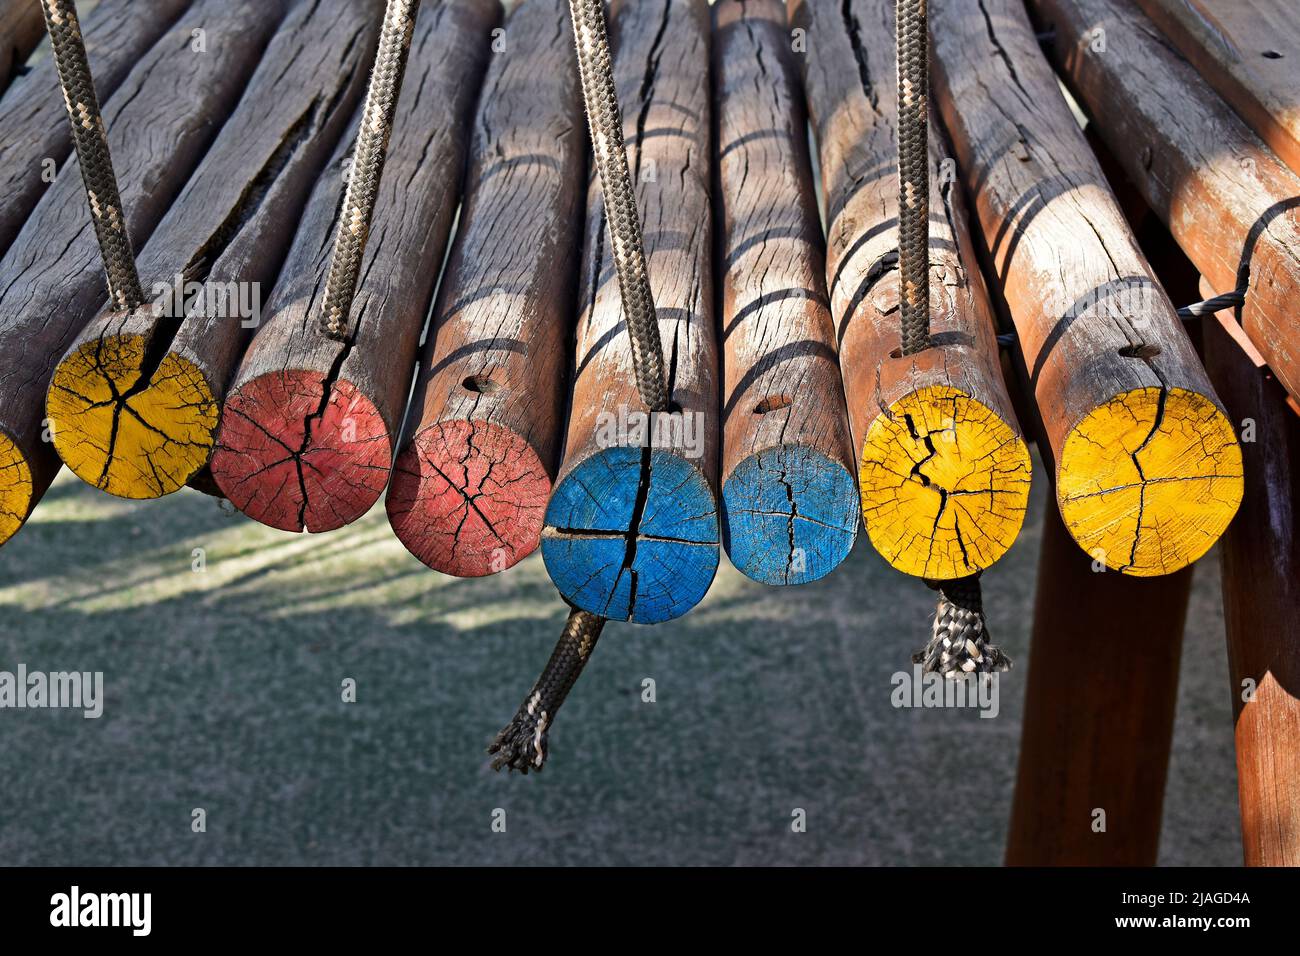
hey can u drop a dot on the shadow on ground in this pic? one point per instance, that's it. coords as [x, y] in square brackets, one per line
[223, 692]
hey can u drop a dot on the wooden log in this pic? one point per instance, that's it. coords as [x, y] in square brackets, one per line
[481, 443]
[1247, 51]
[117, 34]
[1147, 466]
[1230, 203]
[159, 122]
[310, 423]
[1100, 696]
[1261, 591]
[790, 505]
[944, 470]
[631, 531]
[135, 400]
[21, 29]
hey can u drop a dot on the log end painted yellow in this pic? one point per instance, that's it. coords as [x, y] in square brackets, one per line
[945, 484]
[132, 439]
[1150, 480]
[15, 488]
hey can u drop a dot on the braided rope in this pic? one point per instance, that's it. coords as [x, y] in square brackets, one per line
[367, 166]
[522, 744]
[959, 642]
[624, 222]
[913, 172]
[91, 141]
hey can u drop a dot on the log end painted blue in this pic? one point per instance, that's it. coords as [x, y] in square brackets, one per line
[790, 515]
[597, 561]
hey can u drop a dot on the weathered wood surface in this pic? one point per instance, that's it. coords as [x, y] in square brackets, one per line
[631, 530]
[21, 29]
[160, 122]
[1231, 204]
[482, 438]
[1247, 50]
[1100, 696]
[310, 423]
[790, 505]
[944, 470]
[1147, 466]
[136, 399]
[1261, 592]
[33, 119]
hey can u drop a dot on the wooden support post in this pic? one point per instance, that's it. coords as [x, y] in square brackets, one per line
[1099, 710]
[631, 530]
[160, 121]
[1261, 592]
[944, 470]
[36, 140]
[136, 398]
[310, 423]
[1247, 51]
[1147, 467]
[790, 505]
[1230, 203]
[21, 29]
[482, 439]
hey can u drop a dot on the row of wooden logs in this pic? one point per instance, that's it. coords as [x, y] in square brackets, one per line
[516, 423]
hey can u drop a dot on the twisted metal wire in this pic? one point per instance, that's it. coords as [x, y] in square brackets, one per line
[623, 220]
[910, 18]
[367, 166]
[1225, 300]
[522, 745]
[91, 142]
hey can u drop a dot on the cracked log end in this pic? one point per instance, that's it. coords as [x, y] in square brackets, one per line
[468, 498]
[15, 488]
[631, 534]
[294, 458]
[1148, 481]
[131, 437]
[789, 515]
[945, 484]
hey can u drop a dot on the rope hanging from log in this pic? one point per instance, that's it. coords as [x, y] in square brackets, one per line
[912, 37]
[522, 745]
[959, 640]
[91, 141]
[367, 166]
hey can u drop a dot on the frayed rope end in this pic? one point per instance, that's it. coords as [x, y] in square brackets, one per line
[959, 643]
[521, 745]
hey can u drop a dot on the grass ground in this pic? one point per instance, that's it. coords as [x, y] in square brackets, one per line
[223, 692]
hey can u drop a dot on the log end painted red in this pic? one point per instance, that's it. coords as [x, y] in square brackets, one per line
[468, 498]
[291, 459]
